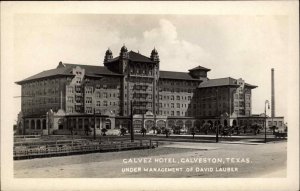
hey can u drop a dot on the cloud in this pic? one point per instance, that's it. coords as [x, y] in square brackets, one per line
[174, 51]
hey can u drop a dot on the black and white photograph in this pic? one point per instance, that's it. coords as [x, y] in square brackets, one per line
[150, 95]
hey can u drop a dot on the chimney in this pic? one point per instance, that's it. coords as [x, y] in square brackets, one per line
[272, 94]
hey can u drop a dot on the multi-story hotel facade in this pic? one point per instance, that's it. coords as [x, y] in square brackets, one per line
[129, 87]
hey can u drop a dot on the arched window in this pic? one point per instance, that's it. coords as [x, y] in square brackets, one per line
[32, 126]
[38, 124]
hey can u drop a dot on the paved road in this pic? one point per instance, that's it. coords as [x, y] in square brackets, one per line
[180, 159]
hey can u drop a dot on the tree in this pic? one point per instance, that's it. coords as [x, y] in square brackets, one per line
[167, 132]
[153, 128]
[285, 128]
[123, 131]
[86, 130]
[143, 131]
[255, 128]
[193, 132]
[273, 128]
[206, 127]
[104, 130]
[158, 130]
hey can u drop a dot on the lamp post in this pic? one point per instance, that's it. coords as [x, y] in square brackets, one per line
[266, 103]
[217, 109]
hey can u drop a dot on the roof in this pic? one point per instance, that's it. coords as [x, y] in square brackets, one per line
[251, 86]
[199, 68]
[222, 82]
[94, 70]
[65, 69]
[219, 82]
[136, 57]
[48, 73]
[176, 75]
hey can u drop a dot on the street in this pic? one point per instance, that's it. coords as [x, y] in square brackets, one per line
[169, 160]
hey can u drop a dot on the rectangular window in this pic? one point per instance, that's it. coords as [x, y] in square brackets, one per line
[172, 113]
[88, 100]
[189, 97]
[98, 103]
[178, 113]
[70, 99]
[78, 89]
[78, 80]
[172, 105]
[78, 99]
[88, 110]
[104, 103]
[70, 90]
[178, 105]
[70, 109]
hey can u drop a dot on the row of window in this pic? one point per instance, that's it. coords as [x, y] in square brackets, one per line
[179, 83]
[107, 86]
[178, 105]
[173, 90]
[173, 97]
[275, 123]
[106, 95]
[140, 87]
[38, 110]
[44, 91]
[41, 83]
[38, 101]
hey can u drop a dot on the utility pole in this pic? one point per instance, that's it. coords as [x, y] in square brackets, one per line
[94, 124]
[131, 127]
[24, 130]
[217, 128]
[266, 102]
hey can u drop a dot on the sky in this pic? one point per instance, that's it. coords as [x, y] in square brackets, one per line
[235, 46]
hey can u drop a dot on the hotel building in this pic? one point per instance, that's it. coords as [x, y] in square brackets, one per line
[80, 97]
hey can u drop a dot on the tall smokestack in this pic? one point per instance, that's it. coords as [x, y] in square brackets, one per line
[273, 94]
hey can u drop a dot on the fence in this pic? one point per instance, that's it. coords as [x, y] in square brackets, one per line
[61, 148]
